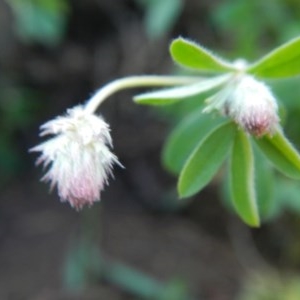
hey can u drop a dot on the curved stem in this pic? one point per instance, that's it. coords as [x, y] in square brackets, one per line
[135, 82]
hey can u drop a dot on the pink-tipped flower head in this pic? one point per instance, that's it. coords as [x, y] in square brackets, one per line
[78, 157]
[253, 107]
[249, 103]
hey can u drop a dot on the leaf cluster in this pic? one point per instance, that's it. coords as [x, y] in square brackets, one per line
[199, 146]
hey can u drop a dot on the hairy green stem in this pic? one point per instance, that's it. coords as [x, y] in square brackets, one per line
[135, 82]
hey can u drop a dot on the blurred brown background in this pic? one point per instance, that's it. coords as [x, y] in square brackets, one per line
[199, 243]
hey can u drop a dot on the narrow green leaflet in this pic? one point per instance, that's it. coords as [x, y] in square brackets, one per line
[281, 153]
[205, 160]
[171, 95]
[191, 55]
[264, 186]
[185, 137]
[242, 180]
[282, 62]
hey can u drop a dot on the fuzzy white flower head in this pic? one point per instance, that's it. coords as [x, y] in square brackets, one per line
[253, 107]
[249, 103]
[78, 157]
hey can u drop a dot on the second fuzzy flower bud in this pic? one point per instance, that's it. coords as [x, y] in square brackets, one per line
[249, 103]
[253, 107]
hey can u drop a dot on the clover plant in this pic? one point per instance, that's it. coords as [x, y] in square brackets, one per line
[239, 123]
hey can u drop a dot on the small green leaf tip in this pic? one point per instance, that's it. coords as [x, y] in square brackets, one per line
[191, 55]
[283, 61]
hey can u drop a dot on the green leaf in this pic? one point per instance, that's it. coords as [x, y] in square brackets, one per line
[191, 55]
[242, 180]
[171, 95]
[282, 62]
[281, 153]
[264, 186]
[205, 160]
[185, 137]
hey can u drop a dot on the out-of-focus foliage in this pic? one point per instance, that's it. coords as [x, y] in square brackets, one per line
[160, 15]
[271, 286]
[81, 266]
[17, 107]
[42, 21]
[253, 24]
[35, 21]
[85, 265]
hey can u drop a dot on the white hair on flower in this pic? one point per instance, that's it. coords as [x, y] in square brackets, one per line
[253, 106]
[249, 103]
[78, 157]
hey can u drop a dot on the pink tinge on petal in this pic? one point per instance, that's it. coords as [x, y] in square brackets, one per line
[259, 122]
[79, 203]
[80, 191]
[77, 157]
[257, 128]
[253, 107]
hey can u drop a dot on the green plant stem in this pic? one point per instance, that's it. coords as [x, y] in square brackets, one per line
[135, 82]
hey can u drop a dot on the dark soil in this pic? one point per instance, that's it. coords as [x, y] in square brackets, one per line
[37, 232]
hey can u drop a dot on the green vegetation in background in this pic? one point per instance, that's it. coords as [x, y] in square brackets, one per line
[42, 21]
[35, 21]
[160, 16]
[254, 25]
[17, 108]
[85, 264]
[269, 285]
